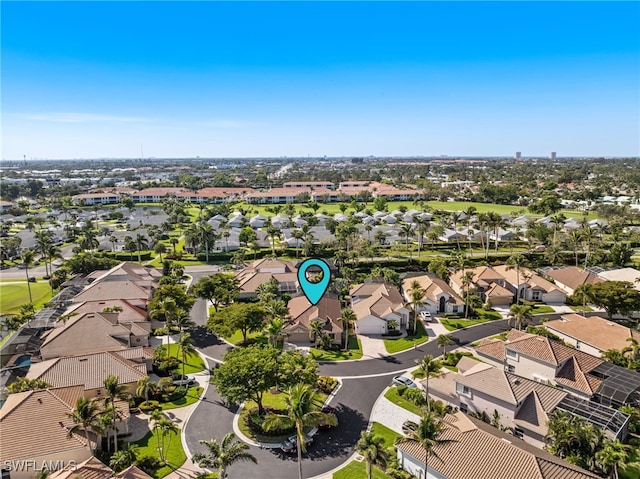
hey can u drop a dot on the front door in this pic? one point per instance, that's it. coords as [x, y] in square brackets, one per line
[442, 305]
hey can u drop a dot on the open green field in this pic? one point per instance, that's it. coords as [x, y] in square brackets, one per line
[148, 446]
[13, 295]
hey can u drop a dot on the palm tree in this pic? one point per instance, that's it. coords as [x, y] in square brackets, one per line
[517, 261]
[144, 385]
[274, 331]
[519, 313]
[416, 295]
[371, 447]
[406, 229]
[163, 427]
[467, 281]
[141, 243]
[160, 248]
[348, 317]
[43, 240]
[89, 240]
[185, 344]
[444, 340]
[613, 457]
[297, 235]
[273, 233]
[316, 330]
[431, 368]
[124, 458]
[85, 416]
[27, 259]
[223, 454]
[426, 434]
[275, 308]
[302, 409]
[113, 240]
[114, 390]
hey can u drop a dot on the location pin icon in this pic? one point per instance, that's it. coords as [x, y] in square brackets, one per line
[314, 291]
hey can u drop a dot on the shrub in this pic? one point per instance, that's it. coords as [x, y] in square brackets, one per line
[452, 358]
[148, 406]
[148, 464]
[255, 422]
[326, 384]
[415, 396]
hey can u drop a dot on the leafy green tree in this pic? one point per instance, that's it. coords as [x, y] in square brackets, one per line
[302, 409]
[23, 384]
[247, 373]
[219, 289]
[296, 368]
[223, 454]
[548, 204]
[615, 297]
[615, 456]
[371, 447]
[246, 317]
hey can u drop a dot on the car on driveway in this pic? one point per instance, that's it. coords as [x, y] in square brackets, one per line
[404, 381]
[291, 444]
[409, 427]
[186, 380]
[425, 315]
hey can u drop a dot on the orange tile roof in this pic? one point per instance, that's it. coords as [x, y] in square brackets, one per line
[598, 332]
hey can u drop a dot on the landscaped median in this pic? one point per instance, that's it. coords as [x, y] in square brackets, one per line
[174, 454]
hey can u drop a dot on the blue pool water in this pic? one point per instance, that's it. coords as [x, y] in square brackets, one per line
[24, 360]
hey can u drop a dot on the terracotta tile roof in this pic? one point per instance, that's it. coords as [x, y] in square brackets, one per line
[159, 191]
[432, 287]
[302, 313]
[497, 291]
[46, 410]
[471, 442]
[378, 299]
[573, 277]
[92, 468]
[130, 312]
[88, 369]
[573, 376]
[484, 274]
[132, 472]
[494, 348]
[532, 415]
[106, 290]
[526, 276]
[594, 330]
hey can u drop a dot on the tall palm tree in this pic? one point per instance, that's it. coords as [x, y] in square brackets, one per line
[426, 434]
[141, 243]
[347, 317]
[444, 340]
[144, 385]
[371, 447]
[516, 262]
[86, 417]
[519, 313]
[302, 409]
[316, 330]
[431, 368]
[164, 428]
[89, 240]
[273, 233]
[167, 310]
[113, 240]
[27, 259]
[467, 281]
[114, 390]
[406, 229]
[613, 457]
[297, 235]
[223, 454]
[416, 295]
[185, 344]
[274, 331]
[43, 240]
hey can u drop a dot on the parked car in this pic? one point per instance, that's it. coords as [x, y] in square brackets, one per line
[409, 426]
[291, 443]
[404, 381]
[186, 380]
[425, 315]
[327, 410]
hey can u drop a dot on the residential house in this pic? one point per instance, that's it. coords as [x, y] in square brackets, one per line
[92, 369]
[438, 296]
[35, 426]
[521, 404]
[262, 271]
[631, 275]
[553, 362]
[569, 279]
[472, 449]
[531, 286]
[91, 199]
[128, 312]
[92, 333]
[302, 314]
[379, 308]
[491, 286]
[93, 468]
[593, 335]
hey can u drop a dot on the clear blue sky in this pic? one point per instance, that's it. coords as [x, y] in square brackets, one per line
[211, 79]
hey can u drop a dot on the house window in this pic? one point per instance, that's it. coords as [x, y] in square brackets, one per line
[464, 408]
[454, 309]
[511, 368]
[518, 432]
[512, 354]
[536, 296]
[462, 389]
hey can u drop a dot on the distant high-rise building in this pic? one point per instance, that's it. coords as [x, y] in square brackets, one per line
[517, 155]
[552, 155]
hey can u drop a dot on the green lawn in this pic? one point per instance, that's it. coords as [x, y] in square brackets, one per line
[12, 296]
[148, 446]
[542, 309]
[396, 345]
[392, 395]
[582, 308]
[190, 398]
[194, 363]
[269, 400]
[358, 470]
[257, 337]
[354, 352]
[454, 324]
[388, 435]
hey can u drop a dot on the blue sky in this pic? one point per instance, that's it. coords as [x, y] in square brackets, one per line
[214, 79]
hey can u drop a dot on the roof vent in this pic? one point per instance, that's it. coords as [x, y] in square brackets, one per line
[83, 359]
[516, 382]
[40, 400]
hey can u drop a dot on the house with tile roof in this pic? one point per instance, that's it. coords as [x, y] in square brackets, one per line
[35, 432]
[467, 445]
[553, 362]
[92, 333]
[128, 311]
[302, 314]
[530, 285]
[491, 286]
[631, 275]
[593, 334]
[93, 468]
[264, 270]
[379, 308]
[92, 369]
[569, 279]
[438, 296]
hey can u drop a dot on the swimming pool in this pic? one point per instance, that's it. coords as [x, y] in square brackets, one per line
[24, 360]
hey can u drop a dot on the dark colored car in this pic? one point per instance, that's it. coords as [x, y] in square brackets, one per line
[291, 444]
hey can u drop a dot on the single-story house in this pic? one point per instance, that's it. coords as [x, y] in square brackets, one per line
[302, 314]
[438, 296]
[379, 308]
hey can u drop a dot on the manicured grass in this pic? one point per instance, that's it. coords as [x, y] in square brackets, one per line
[392, 395]
[389, 436]
[542, 309]
[269, 400]
[396, 345]
[257, 337]
[354, 352]
[454, 324]
[15, 295]
[488, 314]
[582, 308]
[358, 470]
[190, 398]
[148, 446]
[194, 363]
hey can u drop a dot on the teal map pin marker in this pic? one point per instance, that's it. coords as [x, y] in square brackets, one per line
[314, 291]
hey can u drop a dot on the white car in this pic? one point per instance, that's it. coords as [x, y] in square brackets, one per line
[425, 315]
